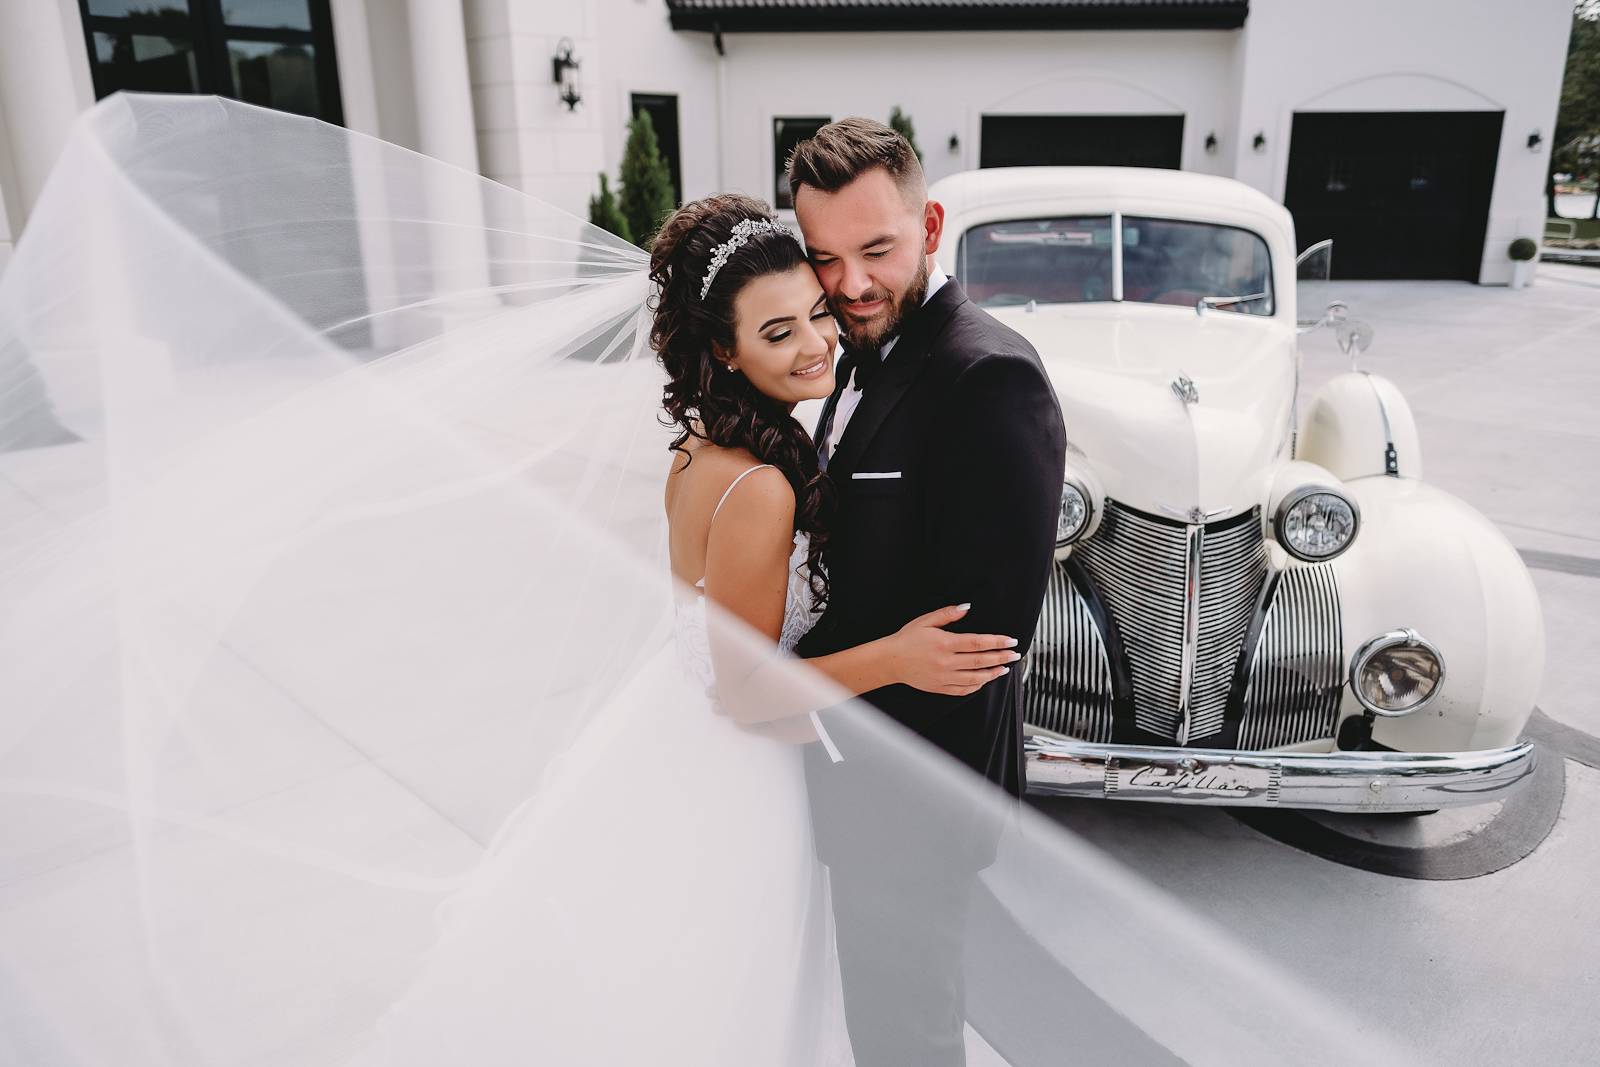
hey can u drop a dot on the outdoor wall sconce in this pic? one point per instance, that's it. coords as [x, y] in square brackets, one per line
[562, 68]
[955, 143]
[1211, 141]
[1260, 141]
[1534, 141]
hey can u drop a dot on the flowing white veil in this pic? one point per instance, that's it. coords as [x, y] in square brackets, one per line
[329, 520]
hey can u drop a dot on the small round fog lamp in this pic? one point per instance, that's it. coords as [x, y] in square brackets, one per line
[1396, 673]
[1074, 516]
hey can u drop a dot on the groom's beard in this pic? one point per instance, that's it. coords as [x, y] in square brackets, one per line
[862, 336]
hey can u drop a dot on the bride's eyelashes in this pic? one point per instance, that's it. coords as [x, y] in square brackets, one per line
[780, 337]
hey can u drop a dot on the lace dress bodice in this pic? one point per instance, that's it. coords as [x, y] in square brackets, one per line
[799, 615]
[692, 636]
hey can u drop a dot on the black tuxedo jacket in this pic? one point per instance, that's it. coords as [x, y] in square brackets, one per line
[965, 433]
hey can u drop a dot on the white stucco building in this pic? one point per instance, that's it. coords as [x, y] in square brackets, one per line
[1415, 133]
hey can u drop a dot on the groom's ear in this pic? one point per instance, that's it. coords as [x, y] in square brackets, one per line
[932, 226]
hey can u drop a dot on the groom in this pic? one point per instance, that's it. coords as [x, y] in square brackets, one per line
[945, 442]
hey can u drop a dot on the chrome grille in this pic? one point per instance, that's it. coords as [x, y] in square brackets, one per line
[1233, 568]
[1296, 670]
[1068, 683]
[1139, 566]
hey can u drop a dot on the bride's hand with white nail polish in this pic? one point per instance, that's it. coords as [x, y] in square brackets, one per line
[928, 657]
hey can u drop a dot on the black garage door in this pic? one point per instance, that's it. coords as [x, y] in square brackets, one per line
[1082, 141]
[1403, 195]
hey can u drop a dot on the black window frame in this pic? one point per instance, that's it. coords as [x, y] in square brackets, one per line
[781, 199]
[667, 132]
[210, 33]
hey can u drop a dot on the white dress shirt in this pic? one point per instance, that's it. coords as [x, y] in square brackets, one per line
[850, 399]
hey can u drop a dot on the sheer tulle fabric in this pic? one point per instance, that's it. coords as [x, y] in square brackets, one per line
[342, 718]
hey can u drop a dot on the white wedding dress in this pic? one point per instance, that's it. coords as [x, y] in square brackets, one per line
[657, 901]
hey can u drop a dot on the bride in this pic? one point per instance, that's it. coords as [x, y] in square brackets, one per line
[745, 974]
[368, 700]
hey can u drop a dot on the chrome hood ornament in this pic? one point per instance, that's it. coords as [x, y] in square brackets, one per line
[1183, 388]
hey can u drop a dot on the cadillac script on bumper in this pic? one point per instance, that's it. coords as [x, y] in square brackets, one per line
[1191, 778]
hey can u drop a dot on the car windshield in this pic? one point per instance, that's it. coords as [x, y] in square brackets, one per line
[1071, 259]
[1052, 261]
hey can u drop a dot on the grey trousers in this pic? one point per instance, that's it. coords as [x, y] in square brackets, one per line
[901, 937]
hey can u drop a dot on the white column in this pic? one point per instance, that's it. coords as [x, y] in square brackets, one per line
[352, 49]
[8, 197]
[44, 86]
[442, 82]
[442, 91]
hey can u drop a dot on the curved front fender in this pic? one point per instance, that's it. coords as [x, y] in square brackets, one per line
[1426, 560]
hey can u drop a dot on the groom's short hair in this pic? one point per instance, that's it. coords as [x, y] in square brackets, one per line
[842, 151]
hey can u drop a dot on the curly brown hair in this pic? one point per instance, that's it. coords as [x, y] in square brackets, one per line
[701, 398]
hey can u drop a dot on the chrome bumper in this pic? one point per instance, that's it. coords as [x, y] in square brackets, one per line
[1332, 781]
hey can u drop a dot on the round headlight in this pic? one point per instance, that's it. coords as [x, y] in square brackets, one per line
[1396, 673]
[1075, 511]
[1316, 523]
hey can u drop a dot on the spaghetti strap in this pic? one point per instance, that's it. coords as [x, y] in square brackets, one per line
[732, 485]
[701, 584]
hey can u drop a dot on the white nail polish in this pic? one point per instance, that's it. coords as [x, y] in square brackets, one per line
[963, 607]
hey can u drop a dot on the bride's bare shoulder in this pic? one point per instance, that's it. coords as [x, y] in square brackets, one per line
[702, 472]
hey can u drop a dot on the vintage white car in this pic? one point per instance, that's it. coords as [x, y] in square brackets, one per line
[1252, 604]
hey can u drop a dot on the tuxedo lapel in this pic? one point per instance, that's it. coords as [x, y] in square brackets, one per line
[899, 371]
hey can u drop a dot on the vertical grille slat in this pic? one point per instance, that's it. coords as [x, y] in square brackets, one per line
[1069, 688]
[1296, 674]
[1138, 564]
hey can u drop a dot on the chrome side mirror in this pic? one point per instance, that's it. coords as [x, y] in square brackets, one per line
[1336, 314]
[1354, 337]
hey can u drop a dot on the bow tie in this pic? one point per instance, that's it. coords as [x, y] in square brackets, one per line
[864, 362]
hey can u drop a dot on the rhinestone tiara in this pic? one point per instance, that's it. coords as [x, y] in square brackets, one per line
[742, 232]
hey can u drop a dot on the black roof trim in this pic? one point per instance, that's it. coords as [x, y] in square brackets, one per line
[830, 16]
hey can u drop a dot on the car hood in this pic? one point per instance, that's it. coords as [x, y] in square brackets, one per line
[1113, 367]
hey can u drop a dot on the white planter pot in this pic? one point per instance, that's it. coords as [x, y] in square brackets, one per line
[1522, 272]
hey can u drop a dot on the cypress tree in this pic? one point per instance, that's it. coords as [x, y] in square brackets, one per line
[604, 213]
[646, 181]
[900, 123]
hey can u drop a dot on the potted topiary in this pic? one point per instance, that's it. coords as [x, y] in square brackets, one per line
[1524, 251]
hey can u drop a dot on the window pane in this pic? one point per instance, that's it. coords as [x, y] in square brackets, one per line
[136, 8]
[664, 117]
[281, 76]
[1165, 261]
[144, 63]
[1052, 261]
[786, 133]
[268, 14]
